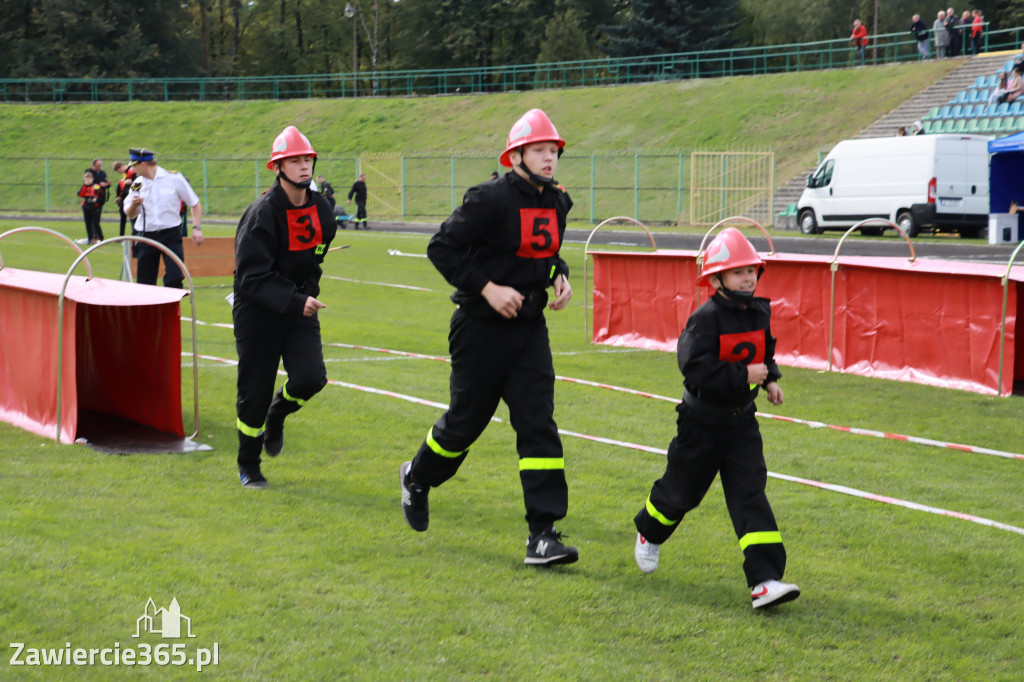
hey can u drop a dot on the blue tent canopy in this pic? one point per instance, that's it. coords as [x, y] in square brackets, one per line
[1006, 173]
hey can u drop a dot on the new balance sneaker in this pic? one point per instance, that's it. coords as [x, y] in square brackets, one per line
[646, 554]
[252, 477]
[414, 500]
[772, 592]
[546, 549]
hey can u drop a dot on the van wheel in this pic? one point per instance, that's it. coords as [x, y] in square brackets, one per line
[906, 222]
[808, 225]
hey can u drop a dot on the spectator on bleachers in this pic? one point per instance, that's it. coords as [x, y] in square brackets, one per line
[1015, 85]
[977, 26]
[920, 32]
[964, 29]
[999, 93]
[940, 35]
[918, 128]
[901, 131]
[859, 36]
[953, 32]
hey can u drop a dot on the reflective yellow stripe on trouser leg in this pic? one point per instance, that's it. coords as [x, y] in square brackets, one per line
[248, 430]
[286, 396]
[764, 537]
[437, 449]
[657, 515]
[541, 463]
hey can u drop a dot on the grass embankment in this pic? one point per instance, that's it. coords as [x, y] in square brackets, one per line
[793, 115]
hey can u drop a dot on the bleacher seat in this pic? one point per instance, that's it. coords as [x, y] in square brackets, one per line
[961, 126]
[1016, 109]
[972, 96]
[1018, 125]
[947, 126]
[983, 95]
[1008, 66]
[984, 125]
[979, 82]
[930, 126]
[992, 81]
[956, 112]
[960, 98]
[943, 112]
[989, 110]
[1003, 109]
[972, 125]
[933, 113]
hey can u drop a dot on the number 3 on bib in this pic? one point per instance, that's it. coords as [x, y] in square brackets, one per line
[538, 233]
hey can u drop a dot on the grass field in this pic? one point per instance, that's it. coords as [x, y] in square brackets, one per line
[319, 578]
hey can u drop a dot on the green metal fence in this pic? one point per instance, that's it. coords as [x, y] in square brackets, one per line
[884, 49]
[650, 185]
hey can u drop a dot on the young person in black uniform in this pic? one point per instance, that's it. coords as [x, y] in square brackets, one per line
[726, 353]
[500, 250]
[123, 186]
[280, 243]
[359, 192]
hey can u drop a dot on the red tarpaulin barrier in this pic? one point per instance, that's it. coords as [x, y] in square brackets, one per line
[927, 321]
[121, 349]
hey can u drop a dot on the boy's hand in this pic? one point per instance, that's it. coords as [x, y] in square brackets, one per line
[774, 393]
[563, 293]
[756, 374]
[312, 305]
[505, 300]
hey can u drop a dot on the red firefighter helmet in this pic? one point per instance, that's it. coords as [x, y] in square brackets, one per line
[728, 250]
[534, 126]
[290, 143]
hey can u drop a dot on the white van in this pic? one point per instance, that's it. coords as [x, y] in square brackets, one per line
[919, 182]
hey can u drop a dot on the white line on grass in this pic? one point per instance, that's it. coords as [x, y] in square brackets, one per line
[885, 499]
[976, 449]
[379, 284]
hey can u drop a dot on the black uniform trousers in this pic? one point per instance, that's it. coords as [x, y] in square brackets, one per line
[360, 213]
[149, 258]
[497, 359]
[93, 231]
[731, 447]
[263, 339]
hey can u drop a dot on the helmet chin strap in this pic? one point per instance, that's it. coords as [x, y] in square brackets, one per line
[742, 297]
[301, 185]
[533, 177]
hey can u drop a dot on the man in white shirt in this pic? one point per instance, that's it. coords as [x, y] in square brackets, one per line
[155, 202]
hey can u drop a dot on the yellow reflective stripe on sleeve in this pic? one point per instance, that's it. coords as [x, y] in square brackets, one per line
[541, 463]
[248, 430]
[432, 444]
[552, 275]
[657, 515]
[764, 537]
[284, 394]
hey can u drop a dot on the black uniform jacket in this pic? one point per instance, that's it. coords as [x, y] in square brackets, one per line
[505, 232]
[359, 190]
[720, 339]
[279, 249]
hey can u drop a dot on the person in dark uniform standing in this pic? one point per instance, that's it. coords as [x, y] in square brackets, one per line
[90, 193]
[326, 189]
[500, 250]
[280, 244]
[123, 185]
[359, 192]
[154, 202]
[726, 354]
[100, 178]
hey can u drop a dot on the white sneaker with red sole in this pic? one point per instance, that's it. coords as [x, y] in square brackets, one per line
[772, 592]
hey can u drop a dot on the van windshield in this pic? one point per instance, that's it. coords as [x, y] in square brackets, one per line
[824, 174]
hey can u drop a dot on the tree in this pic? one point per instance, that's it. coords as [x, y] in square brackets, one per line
[649, 27]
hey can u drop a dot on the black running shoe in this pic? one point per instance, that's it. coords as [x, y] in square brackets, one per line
[546, 549]
[251, 477]
[273, 436]
[414, 500]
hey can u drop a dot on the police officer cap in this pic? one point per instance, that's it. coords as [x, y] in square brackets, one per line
[137, 155]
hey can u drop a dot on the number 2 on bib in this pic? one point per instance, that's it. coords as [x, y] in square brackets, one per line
[538, 233]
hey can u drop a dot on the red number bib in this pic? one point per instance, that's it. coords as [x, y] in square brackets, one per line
[745, 347]
[304, 230]
[538, 233]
